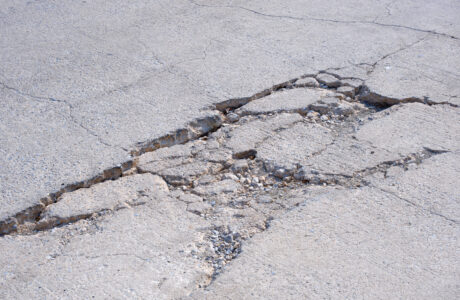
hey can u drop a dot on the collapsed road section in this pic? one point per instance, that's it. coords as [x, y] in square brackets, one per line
[191, 202]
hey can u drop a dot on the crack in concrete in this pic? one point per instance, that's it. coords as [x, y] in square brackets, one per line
[195, 129]
[309, 18]
[416, 205]
[357, 178]
[55, 100]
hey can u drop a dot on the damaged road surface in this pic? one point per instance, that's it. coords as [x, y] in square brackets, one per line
[230, 150]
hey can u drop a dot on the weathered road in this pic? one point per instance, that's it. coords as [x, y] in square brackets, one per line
[229, 149]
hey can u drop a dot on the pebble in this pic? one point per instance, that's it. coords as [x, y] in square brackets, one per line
[230, 176]
[312, 114]
[344, 109]
[232, 117]
[280, 173]
[324, 118]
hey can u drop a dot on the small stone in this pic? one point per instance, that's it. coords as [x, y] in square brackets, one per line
[320, 107]
[232, 117]
[344, 109]
[307, 82]
[329, 80]
[255, 180]
[230, 176]
[280, 173]
[312, 114]
[324, 118]
[359, 106]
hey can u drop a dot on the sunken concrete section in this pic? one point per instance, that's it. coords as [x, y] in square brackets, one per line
[243, 150]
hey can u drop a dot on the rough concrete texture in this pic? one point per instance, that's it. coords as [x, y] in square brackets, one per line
[229, 149]
[288, 101]
[359, 243]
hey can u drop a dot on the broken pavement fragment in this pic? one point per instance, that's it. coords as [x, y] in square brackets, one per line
[287, 149]
[140, 250]
[243, 139]
[287, 100]
[306, 82]
[177, 164]
[346, 244]
[328, 80]
[389, 135]
[107, 196]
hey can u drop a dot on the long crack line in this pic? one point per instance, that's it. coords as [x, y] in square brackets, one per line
[309, 18]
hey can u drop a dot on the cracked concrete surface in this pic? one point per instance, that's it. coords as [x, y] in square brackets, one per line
[229, 149]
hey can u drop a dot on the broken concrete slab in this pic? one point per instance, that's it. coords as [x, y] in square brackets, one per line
[127, 88]
[26, 172]
[306, 82]
[389, 135]
[361, 243]
[293, 146]
[289, 100]
[243, 139]
[150, 253]
[107, 196]
[328, 80]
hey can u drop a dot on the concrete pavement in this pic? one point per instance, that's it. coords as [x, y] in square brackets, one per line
[270, 99]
